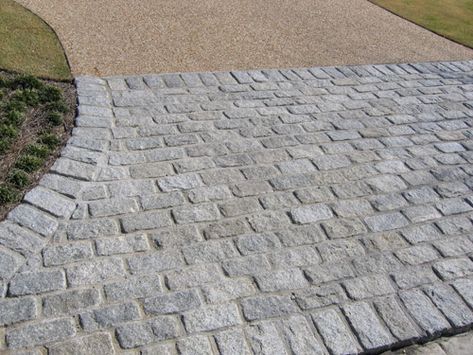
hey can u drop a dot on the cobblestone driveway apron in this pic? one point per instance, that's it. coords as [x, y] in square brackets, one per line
[306, 211]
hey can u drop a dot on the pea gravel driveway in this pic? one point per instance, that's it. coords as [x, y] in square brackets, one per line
[306, 211]
[116, 37]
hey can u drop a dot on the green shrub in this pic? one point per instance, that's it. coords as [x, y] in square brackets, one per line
[55, 118]
[29, 96]
[15, 104]
[8, 131]
[29, 163]
[25, 82]
[50, 140]
[50, 93]
[18, 178]
[59, 106]
[37, 150]
[15, 117]
[4, 145]
[4, 83]
[8, 194]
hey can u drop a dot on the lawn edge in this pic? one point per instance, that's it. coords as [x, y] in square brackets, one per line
[420, 26]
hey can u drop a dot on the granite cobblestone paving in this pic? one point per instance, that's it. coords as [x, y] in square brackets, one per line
[305, 211]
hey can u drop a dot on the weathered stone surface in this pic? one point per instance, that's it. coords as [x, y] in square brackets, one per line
[417, 254]
[368, 286]
[19, 239]
[297, 256]
[40, 333]
[134, 287]
[328, 272]
[421, 233]
[165, 349]
[320, 296]
[171, 199]
[264, 211]
[413, 277]
[450, 304]
[343, 228]
[109, 316]
[179, 182]
[70, 302]
[37, 282]
[231, 342]
[299, 336]
[465, 289]
[211, 318]
[51, 202]
[34, 219]
[386, 222]
[134, 334]
[112, 207]
[156, 262]
[335, 333]
[262, 307]
[193, 277]
[145, 220]
[199, 213]
[340, 249]
[10, 262]
[16, 310]
[86, 229]
[209, 251]
[395, 319]
[63, 254]
[257, 243]
[367, 326]
[121, 245]
[279, 280]
[265, 339]
[172, 302]
[424, 312]
[310, 214]
[249, 265]
[197, 344]
[175, 237]
[100, 343]
[94, 271]
[454, 268]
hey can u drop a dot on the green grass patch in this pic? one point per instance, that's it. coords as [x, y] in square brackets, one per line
[18, 178]
[29, 45]
[450, 18]
[38, 150]
[55, 118]
[8, 194]
[49, 139]
[29, 163]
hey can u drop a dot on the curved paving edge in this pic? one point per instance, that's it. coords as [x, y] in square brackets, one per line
[306, 210]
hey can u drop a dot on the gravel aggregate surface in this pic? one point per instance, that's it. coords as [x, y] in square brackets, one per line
[111, 37]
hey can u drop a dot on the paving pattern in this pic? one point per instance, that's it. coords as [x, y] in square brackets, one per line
[306, 211]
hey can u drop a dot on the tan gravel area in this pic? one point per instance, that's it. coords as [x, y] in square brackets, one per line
[109, 37]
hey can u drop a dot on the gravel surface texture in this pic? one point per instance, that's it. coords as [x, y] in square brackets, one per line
[112, 37]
